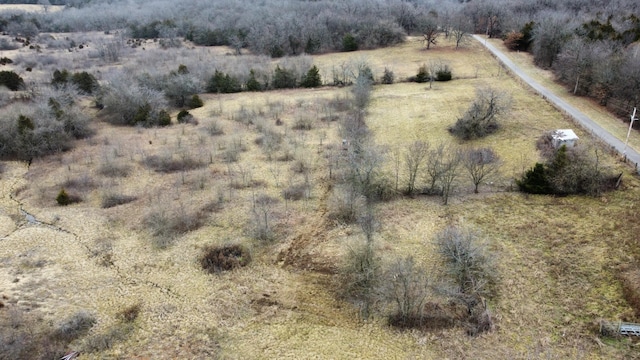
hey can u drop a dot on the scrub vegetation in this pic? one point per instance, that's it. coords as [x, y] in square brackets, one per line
[353, 179]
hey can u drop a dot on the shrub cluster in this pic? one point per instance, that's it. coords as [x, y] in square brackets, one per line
[167, 224]
[45, 125]
[217, 259]
[482, 117]
[568, 171]
[281, 78]
[84, 81]
[223, 83]
[11, 80]
[64, 198]
[111, 199]
[423, 75]
[128, 102]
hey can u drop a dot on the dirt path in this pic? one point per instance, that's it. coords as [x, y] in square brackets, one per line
[618, 144]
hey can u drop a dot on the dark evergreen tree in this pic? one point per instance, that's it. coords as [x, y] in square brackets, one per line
[312, 79]
[283, 79]
[11, 80]
[349, 43]
[252, 83]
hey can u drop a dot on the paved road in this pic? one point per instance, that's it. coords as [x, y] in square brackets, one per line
[632, 155]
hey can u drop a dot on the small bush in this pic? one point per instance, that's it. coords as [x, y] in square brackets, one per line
[64, 198]
[168, 221]
[170, 164]
[84, 81]
[5, 61]
[11, 80]
[216, 259]
[114, 170]
[110, 200]
[80, 183]
[388, 77]
[25, 124]
[423, 75]
[130, 313]
[365, 72]
[195, 102]
[184, 117]
[302, 123]
[75, 326]
[164, 119]
[214, 128]
[104, 341]
[433, 317]
[295, 192]
[263, 213]
[443, 74]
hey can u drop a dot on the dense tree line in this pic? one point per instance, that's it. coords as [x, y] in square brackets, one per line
[591, 48]
[589, 45]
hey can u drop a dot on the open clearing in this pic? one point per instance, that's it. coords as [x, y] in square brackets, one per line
[559, 257]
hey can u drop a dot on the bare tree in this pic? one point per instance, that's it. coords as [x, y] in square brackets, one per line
[414, 158]
[179, 86]
[438, 70]
[428, 26]
[396, 165]
[364, 170]
[407, 285]
[461, 29]
[480, 164]
[573, 65]
[362, 268]
[549, 36]
[262, 214]
[449, 172]
[481, 118]
[361, 91]
[434, 168]
[469, 268]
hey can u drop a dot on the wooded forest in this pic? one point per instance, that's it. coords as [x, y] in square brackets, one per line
[590, 45]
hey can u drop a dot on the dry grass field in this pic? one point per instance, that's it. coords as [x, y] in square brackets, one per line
[559, 258]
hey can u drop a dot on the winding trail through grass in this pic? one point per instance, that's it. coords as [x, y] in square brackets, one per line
[595, 129]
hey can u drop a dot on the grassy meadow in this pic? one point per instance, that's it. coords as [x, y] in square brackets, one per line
[559, 258]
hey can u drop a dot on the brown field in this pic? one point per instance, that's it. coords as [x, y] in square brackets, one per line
[559, 257]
